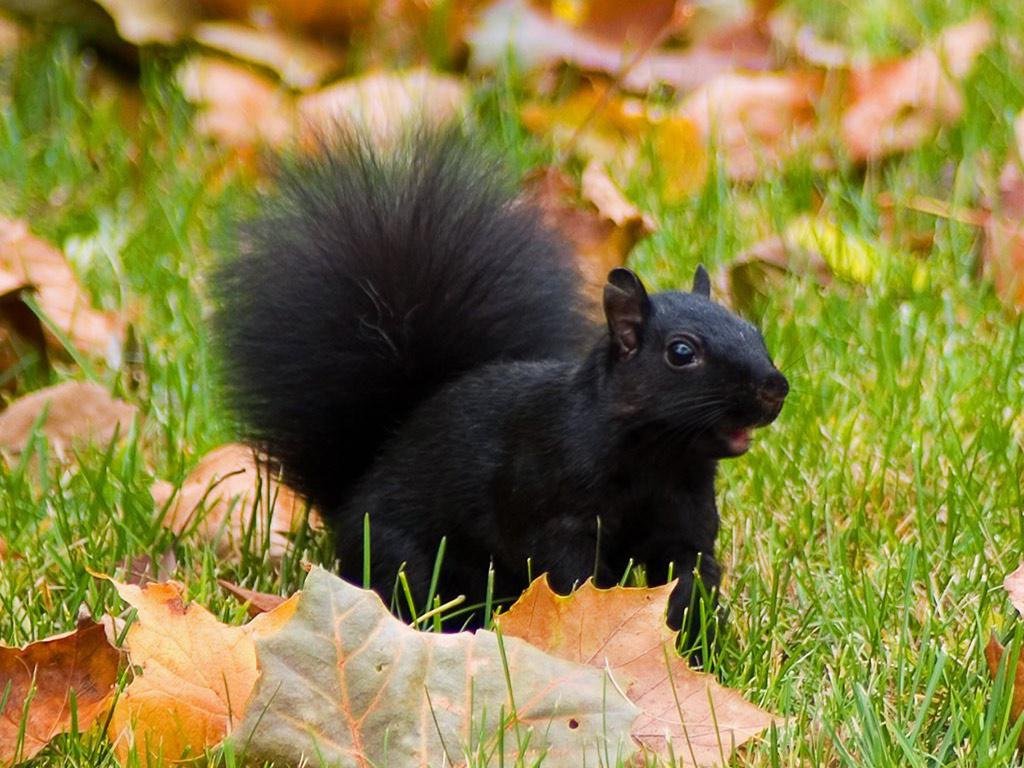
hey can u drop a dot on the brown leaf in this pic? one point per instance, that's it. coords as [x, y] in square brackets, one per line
[994, 653]
[300, 62]
[685, 713]
[196, 675]
[384, 103]
[27, 262]
[80, 664]
[757, 121]
[346, 683]
[230, 496]
[901, 104]
[600, 233]
[76, 412]
[539, 40]
[258, 602]
[238, 107]
[142, 22]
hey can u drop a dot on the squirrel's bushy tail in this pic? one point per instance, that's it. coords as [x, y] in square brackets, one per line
[366, 281]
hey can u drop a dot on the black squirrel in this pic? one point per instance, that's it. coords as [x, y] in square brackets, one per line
[406, 338]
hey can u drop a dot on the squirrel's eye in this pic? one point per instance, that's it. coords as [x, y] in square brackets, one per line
[680, 354]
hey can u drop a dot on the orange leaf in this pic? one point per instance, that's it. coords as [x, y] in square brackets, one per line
[683, 712]
[196, 674]
[38, 683]
[899, 105]
[232, 494]
[601, 233]
[76, 412]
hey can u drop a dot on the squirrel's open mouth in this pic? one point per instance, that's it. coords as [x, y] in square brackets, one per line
[738, 440]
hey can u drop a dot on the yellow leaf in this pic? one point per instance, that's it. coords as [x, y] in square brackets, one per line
[849, 257]
[195, 674]
[684, 713]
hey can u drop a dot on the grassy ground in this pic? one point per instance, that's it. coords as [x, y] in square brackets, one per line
[866, 535]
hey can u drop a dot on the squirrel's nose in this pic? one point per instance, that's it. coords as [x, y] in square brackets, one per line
[773, 390]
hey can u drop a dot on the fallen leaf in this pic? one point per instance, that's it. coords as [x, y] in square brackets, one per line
[600, 232]
[538, 39]
[899, 105]
[75, 412]
[258, 602]
[196, 674]
[28, 262]
[142, 22]
[1014, 586]
[346, 683]
[994, 653]
[232, 498]
[301, 63]
[757, 121]
[39, 681]
[684, 713]
[613, 130]
[237, 107]
[384, 103]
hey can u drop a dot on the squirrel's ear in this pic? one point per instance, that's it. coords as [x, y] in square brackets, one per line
[702, 282]
[626, 307]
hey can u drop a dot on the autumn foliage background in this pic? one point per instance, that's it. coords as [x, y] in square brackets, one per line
[852, 174]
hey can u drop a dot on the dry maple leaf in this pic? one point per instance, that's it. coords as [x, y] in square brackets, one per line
[346, 683]
[898, 105]
[76, 412]
[81, 663]
[231, 497]
[196, 674]
[684, 713]
[28, 262]
[601, 234]
[994, 653]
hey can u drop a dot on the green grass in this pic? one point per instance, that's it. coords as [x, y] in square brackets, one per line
[866, 536]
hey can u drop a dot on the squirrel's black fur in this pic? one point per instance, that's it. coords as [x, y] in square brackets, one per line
[402, 333]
